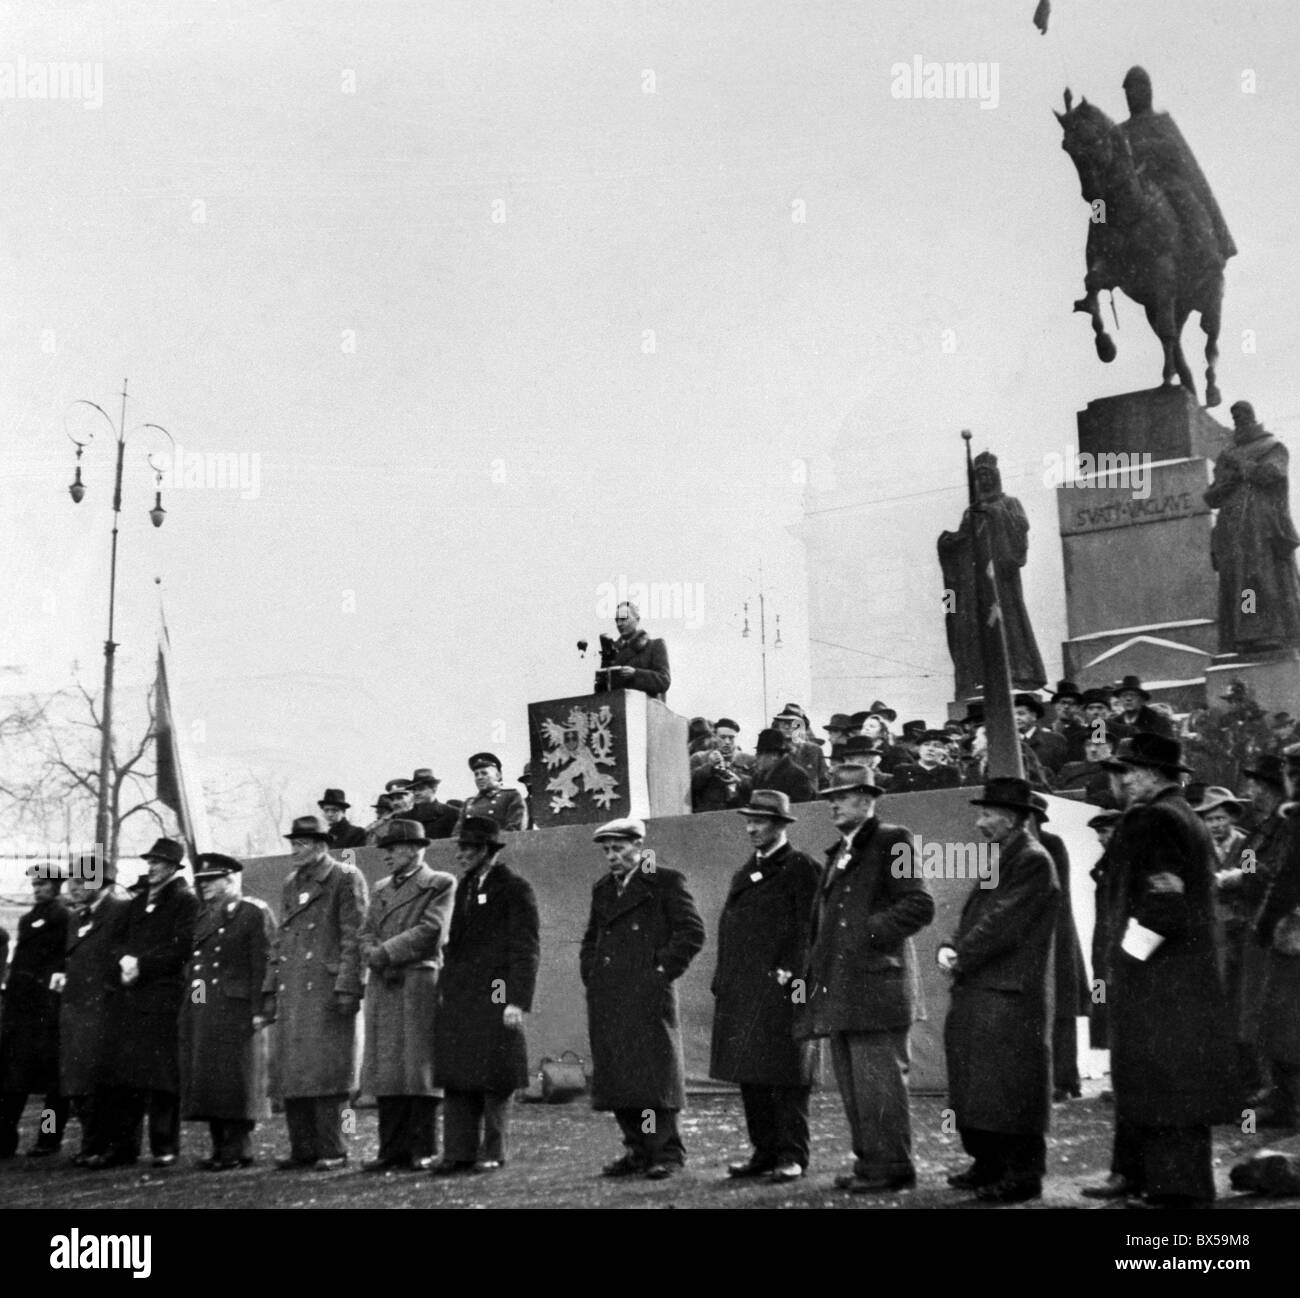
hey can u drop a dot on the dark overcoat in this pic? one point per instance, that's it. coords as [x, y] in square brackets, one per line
[1172, 1057]
[637, 944]
[314, 1046]
[1279, 1032]
[998, 1034]
[786, 777]
[490, 961]
[29, 1029]
[408, 921]
[344, 833]
[862, 974]
[648, 659]
[160, 934]
[231, 977]
[89, 1012]
[763, 927]
[1071, 975]
[438, 818]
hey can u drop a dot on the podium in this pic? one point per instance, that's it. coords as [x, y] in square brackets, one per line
[597, 757]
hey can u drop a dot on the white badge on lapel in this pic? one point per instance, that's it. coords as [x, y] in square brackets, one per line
[302, 899]
[756, 877]
[38, 923]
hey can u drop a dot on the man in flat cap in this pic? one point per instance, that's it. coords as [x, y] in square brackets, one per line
[480, 1054]
[231, 998]
[491, 801]
[639, 662]
[438, 818]
[88, 1010]
[861, 984]
[29, 1030]
[401, 942]
[322, 906]
[762, 947]
[998, 1034]
[1172, 1058]
[642, 934]
[155, 944]
[721, 775]
[342, 832]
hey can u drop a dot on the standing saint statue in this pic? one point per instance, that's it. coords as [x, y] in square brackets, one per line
[1254, 542]
[1008, 543]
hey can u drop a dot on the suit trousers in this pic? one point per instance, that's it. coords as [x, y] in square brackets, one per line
[408, 1127]
[777, 1119]
[466, 1116]
[871, 1070]
[232, 1139]
[662, 1144]
[12, 1104]
[315, 1125]
[92, 1112]
[1165, 1162]
[127, 1110]
[1004, 1156]
[1065, 1055]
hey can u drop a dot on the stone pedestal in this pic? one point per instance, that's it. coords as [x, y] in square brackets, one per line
[1141, 597]
[596, 757]
[1274, 679]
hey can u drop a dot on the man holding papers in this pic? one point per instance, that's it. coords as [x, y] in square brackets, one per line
[1172, 1059]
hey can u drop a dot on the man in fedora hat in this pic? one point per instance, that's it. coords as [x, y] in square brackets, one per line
[322, 905]
[639, 662]
[861, 983]
[1136, 717]
[721, 776]
[931, 770]
[231, 980]
[154, 947]
[1070, 977]
[859, 750]
[342, 832]
[762, 947]
[642, 934]
[1172, 1059]
[774, 768]
[480, 1053]
[29, 1030]
[1045, 744]
[838, 730]
[998, 1034]
[88, 1009]
[805, 753]
[1089, 775]
[491, 801]
[438, 818]
[401, 942]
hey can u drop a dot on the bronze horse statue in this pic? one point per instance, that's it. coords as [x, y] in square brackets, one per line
[1136, 243]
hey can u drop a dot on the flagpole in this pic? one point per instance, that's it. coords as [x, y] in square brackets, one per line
[1004, 757]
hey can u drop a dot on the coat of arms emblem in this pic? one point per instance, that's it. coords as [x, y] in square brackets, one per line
[576, 749]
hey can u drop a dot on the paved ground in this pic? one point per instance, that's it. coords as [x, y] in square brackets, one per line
[559, 1151]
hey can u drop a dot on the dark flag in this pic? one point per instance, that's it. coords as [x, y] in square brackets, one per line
[177, 784]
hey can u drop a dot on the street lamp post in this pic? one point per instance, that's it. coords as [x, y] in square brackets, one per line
[762, 635]
[77, 490]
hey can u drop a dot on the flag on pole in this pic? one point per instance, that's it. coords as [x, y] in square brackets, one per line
[177, 774]
[999, 714]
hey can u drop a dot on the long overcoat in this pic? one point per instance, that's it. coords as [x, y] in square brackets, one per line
[1279, 1033]
[160, 934]
[1070, 973]
[408, 921]
[862, 973]
[29, 1030]
[763, 927]
[231, 978]
[89, 1011]
[490, 961]
[998, 1034]
[637, 944]
[1173, 1062]
[314, 1046]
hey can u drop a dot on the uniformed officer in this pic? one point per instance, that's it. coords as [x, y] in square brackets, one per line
[503, 806]
[231, 998]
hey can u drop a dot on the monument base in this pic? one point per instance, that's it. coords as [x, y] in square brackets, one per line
[1274, 679]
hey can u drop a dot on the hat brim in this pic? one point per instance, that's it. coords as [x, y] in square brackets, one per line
[615, 838]
[1265, 777]
[406, 842]
[166, 860]
[317, 837]
[1127, 763]
[342, 806]
[834, 789]
[1006, 803]
[200, 875]
[765, 813]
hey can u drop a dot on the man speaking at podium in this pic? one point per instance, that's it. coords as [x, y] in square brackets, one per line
[637, 661]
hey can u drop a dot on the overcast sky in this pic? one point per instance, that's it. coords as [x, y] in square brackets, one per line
[505, 302]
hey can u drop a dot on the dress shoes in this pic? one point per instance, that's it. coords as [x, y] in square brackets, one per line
[101, 1162]
[1063, 1093]
[79, 1160]
[1114, 1186]
[486, 1166]
[784, 1172]
[751, 1167]
[967, 1180]
[164, 1160]
[420, 1165]
[662, 1171]
[855, 1184]
[1009, 1191]
[450, 1167]
[294, 1164]
[331, 1164]
[625, 1166]
[224, 1164]
[381, 1165]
